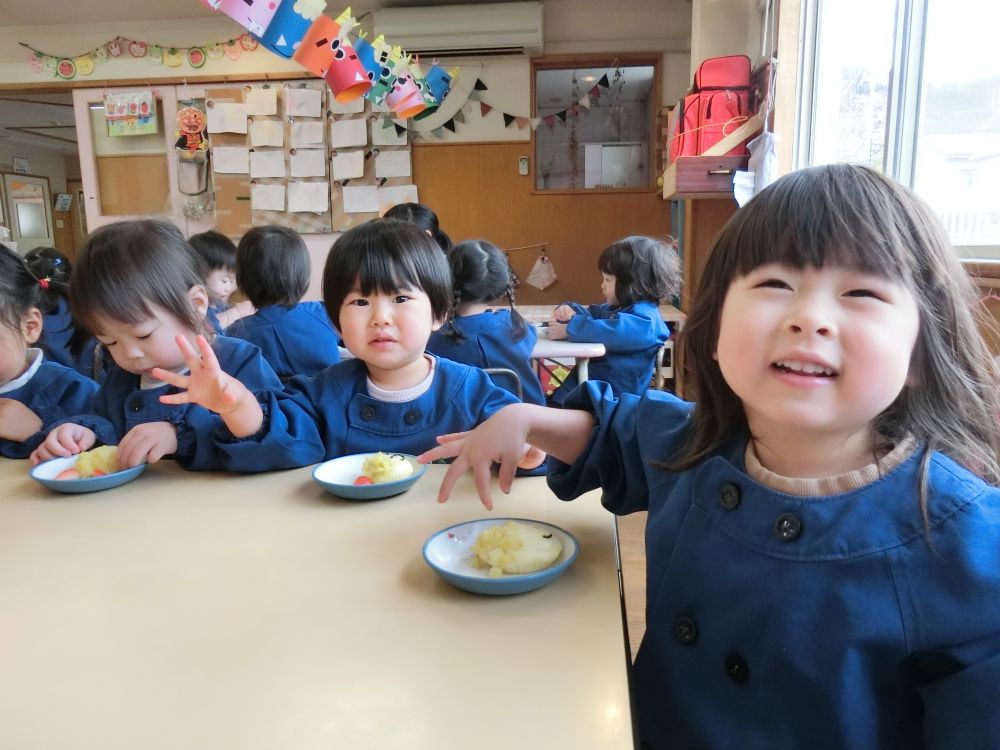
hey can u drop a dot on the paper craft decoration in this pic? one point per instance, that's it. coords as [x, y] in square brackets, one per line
[371, 199]
[269, 163]
[231, 159]
[307, 162]
[307, 133]
[267, 133]
[252, 15]
[404, 97]
[346, 133]
[303, 102]
[368, 57]
[267, 197]
[308, 196]
[290, 24]
[434, 86]
[314, 52]
[191, 124]
[543, 274]
[392, 164]
[131, 113]
[261, 101]
[226, 117]
[385, 133]
[346, 76]
[383, 84]
[347, 165]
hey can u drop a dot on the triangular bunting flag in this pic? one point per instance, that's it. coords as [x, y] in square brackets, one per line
[474, 96]
[521, 122]
[437, 132]
[386, 122]
[507, 120]
[400, 129]
[550, 120]
[460, 116]
[484, 108]
[450, 125]
[585, 101]
[604, 81]
[561, 115]
[535, 122]
[480, 86]
[595, 91]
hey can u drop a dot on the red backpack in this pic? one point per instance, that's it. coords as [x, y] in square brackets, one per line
[719, 103]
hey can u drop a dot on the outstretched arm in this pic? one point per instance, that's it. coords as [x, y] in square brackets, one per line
[562, 433]
[209, 386]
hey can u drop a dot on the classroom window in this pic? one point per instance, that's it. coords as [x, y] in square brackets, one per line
[911, 88]
[597, 123]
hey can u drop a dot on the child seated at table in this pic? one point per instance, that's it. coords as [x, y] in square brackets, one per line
[138, 287]
[478, 331]
[423, 217]
[636, 273]
[387, 286]
[273, 270]
[218, 255]
[34, 391]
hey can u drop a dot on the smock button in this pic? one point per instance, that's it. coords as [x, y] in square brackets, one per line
[368, 413]
[729, 496]
[135, 404]
[685, 629]
[411, 417]
[787, 527]
[737, 669]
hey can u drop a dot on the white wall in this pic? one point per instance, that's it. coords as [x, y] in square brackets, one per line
[49, 164]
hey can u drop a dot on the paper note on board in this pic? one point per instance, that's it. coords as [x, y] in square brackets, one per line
[387, 136]
[371, 199]
[353, 107]
[308, 196]
[227, 117]
[231, 159]
[392, 164]
[346, 133]
[267, 197]
[348, 164]
[267, 163]
[307, 133]
[267, 133]
[303, 102]
[307, 162]
[261, 101]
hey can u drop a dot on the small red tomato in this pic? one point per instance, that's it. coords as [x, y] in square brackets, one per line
[363, 480]
[99, 473]
[68, 474]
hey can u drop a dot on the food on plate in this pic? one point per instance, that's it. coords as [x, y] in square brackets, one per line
[384, 467]
[515, 548]
[93, 463]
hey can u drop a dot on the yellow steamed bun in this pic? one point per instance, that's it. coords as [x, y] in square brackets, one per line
[515, 548]
[102, 460]
[386, 467]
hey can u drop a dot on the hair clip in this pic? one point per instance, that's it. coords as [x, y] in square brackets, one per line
[44, 283]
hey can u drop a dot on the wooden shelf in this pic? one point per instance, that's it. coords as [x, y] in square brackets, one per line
[701, 176]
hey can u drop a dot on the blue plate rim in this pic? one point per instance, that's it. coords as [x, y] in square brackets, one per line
[507, 577]
[125, 475]
[414, 476]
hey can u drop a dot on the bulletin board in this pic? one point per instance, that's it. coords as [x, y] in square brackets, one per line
[287, 153]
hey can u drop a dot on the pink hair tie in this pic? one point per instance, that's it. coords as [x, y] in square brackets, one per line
[44, 283]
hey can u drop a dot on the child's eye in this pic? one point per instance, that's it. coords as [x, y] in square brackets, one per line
[772, 284]
[144, 336]
[401, 298]
[865, 293]
[358, 302]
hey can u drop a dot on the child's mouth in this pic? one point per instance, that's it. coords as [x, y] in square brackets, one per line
[807, 369]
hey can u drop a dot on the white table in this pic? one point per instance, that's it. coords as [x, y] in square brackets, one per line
[543, 313]
[205, 610]
[580, 351]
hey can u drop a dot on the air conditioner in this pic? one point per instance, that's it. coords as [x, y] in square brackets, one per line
[464, 30]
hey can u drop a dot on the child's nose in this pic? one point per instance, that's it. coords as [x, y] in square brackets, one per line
[381, 313]
[134, 351]
[810, 318]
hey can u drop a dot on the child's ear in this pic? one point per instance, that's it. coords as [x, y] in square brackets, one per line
[436, 325]
[31, 325]
[198, 295]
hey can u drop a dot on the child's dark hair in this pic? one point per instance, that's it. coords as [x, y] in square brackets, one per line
[852, 216]
[480, 273]
[645, 269]
[423, 217]
[272, 266]
[52, 269]
[126, 266]
[216, 250]
[19, 289]
[384, 256]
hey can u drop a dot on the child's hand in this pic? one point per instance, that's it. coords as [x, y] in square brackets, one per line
[500, 439]
[209, 386]
[532, 457]
[556, 331]
[17, 421]
[563, 313]
[65, 440]
[147, 442]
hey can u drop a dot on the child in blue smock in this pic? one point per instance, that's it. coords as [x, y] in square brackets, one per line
[823, 565]
[423, 217]
[481, 332]
[35, 392]
[636, 273]
[63, 341]
[218, 256]
[273, 271]
[138, 287]
[387, 287]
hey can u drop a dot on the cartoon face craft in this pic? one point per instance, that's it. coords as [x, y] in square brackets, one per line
[287, 28]
[366, 55]
[434, 88]
[383, 84]
[405, 99]
[252, 15]
[346, 77]
[314, 52]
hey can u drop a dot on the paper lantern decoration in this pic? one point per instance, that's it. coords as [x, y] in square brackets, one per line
[289, 25]
[252, 15]
[383, 84]
[434, 86]
[367, 55]
[314, 52]
[346, 76]
[405, 99]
